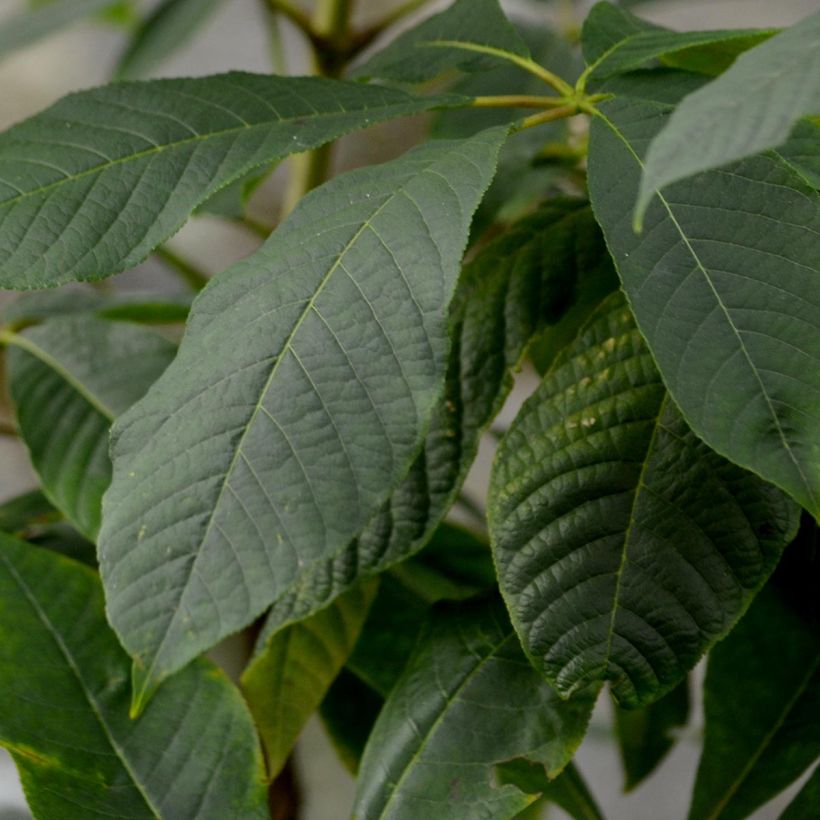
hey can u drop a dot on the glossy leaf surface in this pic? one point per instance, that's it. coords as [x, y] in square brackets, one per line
[723, 283]
[456, 38]
[291, 672]
[91, 185]
[519, 284]
[750, 108]
[467, 701]
[624, 546]
[64, 710]
[69, 378]
[238, 472]
[761, 699]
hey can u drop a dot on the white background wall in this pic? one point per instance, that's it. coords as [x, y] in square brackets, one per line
[236, 39]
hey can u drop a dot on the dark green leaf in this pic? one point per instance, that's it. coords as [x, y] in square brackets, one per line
[240, 470]
[26, 27]
[520, 283]
[467, 36]
[170, 26]
[292, 671]
[723, 283]
[467, 702]
[641, 42]
[91, 185]
[625, 547]
[750, 108]
[64, 710]
[647, 733]
[69, 379]
[762, 699]
[804, 806]
[30, 510]
[568, 790]
[802, 151]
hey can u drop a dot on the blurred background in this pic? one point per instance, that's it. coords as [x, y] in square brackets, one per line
[236, 36]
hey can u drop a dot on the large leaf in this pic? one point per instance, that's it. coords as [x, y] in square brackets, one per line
[522, 282]
[751, 107]
[467, 701]
[615, 42]
[723, 283]
[64, 710]
[625, 547]
[804, 806]
[26, 27]
[762, 699]
[802, 151]
[292, 672]
[301, 393]
[168, 27]
[647, 733]
[89, 186]
[468, 36]
[69, 379]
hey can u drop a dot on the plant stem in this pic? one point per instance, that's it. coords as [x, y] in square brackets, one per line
[8, 430]
[517, 101]
[331, 18]
[184, 269]
[294, 14]
[398, 13]
[275, 45]
[548, 116]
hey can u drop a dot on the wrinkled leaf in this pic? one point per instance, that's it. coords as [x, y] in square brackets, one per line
[646, 734]
[64, 710]
[468, 701]
[520, 283]
[616, 42]
[26, 27]
[750, 108]
[69, 378]
[761, 700]
[169, 26]
[456, 38]
[723, 283]
[625, 547]
[291, 672]
[239, 470]
[91, 185]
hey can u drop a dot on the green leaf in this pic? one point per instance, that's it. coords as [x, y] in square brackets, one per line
[802, 151]
[467, 702]
[761, 700]
[520, 283]
[616, 42]
[804, 806]
[91, 185]
[750, 108]
[69, 378]
[64, 710]
[646, 734]
[568, 790]
[169, 26]
[291, 672]
[26, 27]
[32, 509]
[240, 469]
[723, 284]
[625, 547]
[471, 36]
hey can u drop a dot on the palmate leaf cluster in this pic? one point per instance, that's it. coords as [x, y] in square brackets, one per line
[289, 466]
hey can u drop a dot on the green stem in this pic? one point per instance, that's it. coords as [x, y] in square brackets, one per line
[331, 18]
[275, 45]
[294, 14]
[398, 13]
[184, 269]
[517, 101]
[548, 116]
[308, 171]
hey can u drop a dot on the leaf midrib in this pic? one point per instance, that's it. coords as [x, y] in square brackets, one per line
[69, 658]
[724, 310]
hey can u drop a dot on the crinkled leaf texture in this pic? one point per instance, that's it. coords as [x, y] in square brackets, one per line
[69, 379]
[456, 38]
[762, 694]
[64, 710]
[286, 681]
[302, 391]
[615, 41]
[519, 284]
[625, 547]
[92, 184]
[750, 108]
[723, 284]
[468, 701]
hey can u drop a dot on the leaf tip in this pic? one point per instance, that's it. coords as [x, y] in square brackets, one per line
[142, 689]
